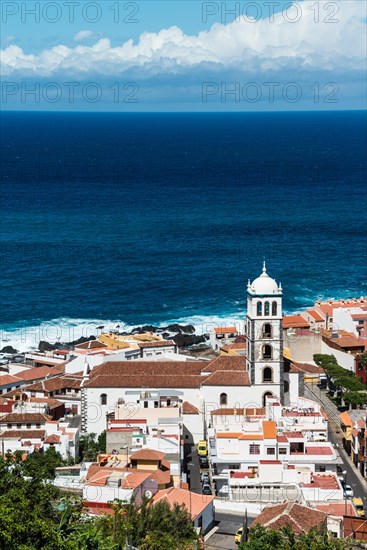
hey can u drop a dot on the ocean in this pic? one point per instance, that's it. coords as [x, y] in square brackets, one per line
[154, 218]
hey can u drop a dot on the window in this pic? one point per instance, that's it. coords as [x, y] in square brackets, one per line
[267, 374]
[267, 351]
[266, 308]
[259, 308]
[254, 449]
[274, 308]
[286, 386]
[282, 450]
[103, 399]
[156, 404]
[38, 425]
[319, 468]
[223, 399]
[9, 426]
[19, 426]
[29, 426]
[267, 330]
[145, 404]
[270, 451]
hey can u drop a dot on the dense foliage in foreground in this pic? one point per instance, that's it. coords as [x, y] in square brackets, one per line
[35, 516]
[285, 539]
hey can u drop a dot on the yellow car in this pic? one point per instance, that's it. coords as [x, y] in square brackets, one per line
[202, 448]
[238, 536]
[358, 505]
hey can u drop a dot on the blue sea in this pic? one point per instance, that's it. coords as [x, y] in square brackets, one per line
[154, 218]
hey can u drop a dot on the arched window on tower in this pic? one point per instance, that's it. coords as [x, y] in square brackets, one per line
[223, 399]
[268, 374]
[274, 309]
[103, 399]
[267, 351]
[267, 330]
[266, 308]
[259, 308]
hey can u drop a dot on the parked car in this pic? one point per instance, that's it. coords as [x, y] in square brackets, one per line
[348, 491]
[206, 489]
[358, 505]
[339, 471]
[203, 462]
[238, 536]
[205, 478]
[202, 448]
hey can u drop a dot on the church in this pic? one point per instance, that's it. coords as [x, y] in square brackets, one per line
[223, 382]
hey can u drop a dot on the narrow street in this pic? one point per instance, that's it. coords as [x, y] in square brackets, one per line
[335, 435]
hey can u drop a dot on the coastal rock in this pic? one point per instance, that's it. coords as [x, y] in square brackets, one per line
[46, 346]
[186, 340]
[174, 328]
[8, 349]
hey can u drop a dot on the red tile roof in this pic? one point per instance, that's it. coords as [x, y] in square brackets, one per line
[92, 344]
[23, 434]
[157, 344]
[296, 366]
[227, 378]
[188, 408]
[225, 362]
[193, 502]
[53, 438]
[35, 373]
[226, 330]
[7, 379]
[299, 518]
[147, 454]
[337, 508]
[315, 315]
[24, 418]
[295, 321]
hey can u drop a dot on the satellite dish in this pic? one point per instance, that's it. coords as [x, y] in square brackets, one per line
[121, 401]
[148, 494]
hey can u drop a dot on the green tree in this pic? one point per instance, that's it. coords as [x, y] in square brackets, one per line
[284, 539]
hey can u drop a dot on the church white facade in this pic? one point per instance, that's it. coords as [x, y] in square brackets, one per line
[227, 381]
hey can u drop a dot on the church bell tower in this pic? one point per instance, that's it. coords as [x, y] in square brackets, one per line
[264, 336]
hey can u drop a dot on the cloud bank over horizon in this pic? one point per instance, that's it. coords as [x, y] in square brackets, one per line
[329, 49]
[258, 46]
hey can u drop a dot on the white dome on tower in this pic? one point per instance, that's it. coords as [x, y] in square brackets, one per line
[264, 284]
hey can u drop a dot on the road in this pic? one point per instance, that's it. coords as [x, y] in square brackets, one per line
[353, 478]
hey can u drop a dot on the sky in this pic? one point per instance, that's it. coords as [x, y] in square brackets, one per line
[121, 55]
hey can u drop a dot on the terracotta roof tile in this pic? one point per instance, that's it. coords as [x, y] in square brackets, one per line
[53, 438]
[295, 321]
[24, 418]
[147, 454]
[144, 381]
[22, 434]
[225, 362]
[92, 344]
[226, 330]
[188, 408]
[227, 378]
[300, 518]
[193, 502]
[305, 368]
[158, 344]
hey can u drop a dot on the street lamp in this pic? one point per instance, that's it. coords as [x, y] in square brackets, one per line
[345, 494]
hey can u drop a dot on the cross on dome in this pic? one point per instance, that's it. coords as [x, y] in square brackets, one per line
[264, 284]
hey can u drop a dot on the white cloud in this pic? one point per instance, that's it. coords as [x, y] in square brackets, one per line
[83, 35]
[253, 47]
